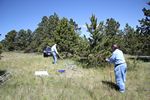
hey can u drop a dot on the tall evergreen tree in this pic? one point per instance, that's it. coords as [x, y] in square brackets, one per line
[9, 42]
[66, 36]
[96, 31]
[45, 33]
[0, 49]
[52, 29]
[96, 42]
[112, 32]
[23, 39]
[144, 30]
[130, 40]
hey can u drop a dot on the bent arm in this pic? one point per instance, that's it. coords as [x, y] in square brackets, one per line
[111, 59]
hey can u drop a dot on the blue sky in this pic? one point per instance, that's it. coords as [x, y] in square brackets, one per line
[26, 14]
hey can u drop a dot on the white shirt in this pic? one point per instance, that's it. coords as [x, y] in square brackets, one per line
[53, 48]
[117, 57]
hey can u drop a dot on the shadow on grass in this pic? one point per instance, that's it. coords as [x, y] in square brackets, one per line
[2, 72]
[4, 76]
[111, 85]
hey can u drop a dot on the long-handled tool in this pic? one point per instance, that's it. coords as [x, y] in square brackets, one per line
[111, 73]
[59, 56]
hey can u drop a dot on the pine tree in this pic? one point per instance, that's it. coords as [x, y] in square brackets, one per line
[130, 40]
[96, 41]
[111, 32]
[144, 30]
[23, 39]
[9, 41]
[0, 49]
[66, 36]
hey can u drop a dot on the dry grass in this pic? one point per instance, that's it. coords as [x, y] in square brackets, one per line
[74, 84]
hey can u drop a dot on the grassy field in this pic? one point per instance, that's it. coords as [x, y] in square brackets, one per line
[76, 83]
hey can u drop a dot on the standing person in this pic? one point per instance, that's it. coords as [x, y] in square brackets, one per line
[54, 53]
[120, 67]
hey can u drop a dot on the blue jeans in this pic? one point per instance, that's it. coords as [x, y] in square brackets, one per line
[120, 76]
[54, 57]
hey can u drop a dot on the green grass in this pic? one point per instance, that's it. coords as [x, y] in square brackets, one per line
[78, 84]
